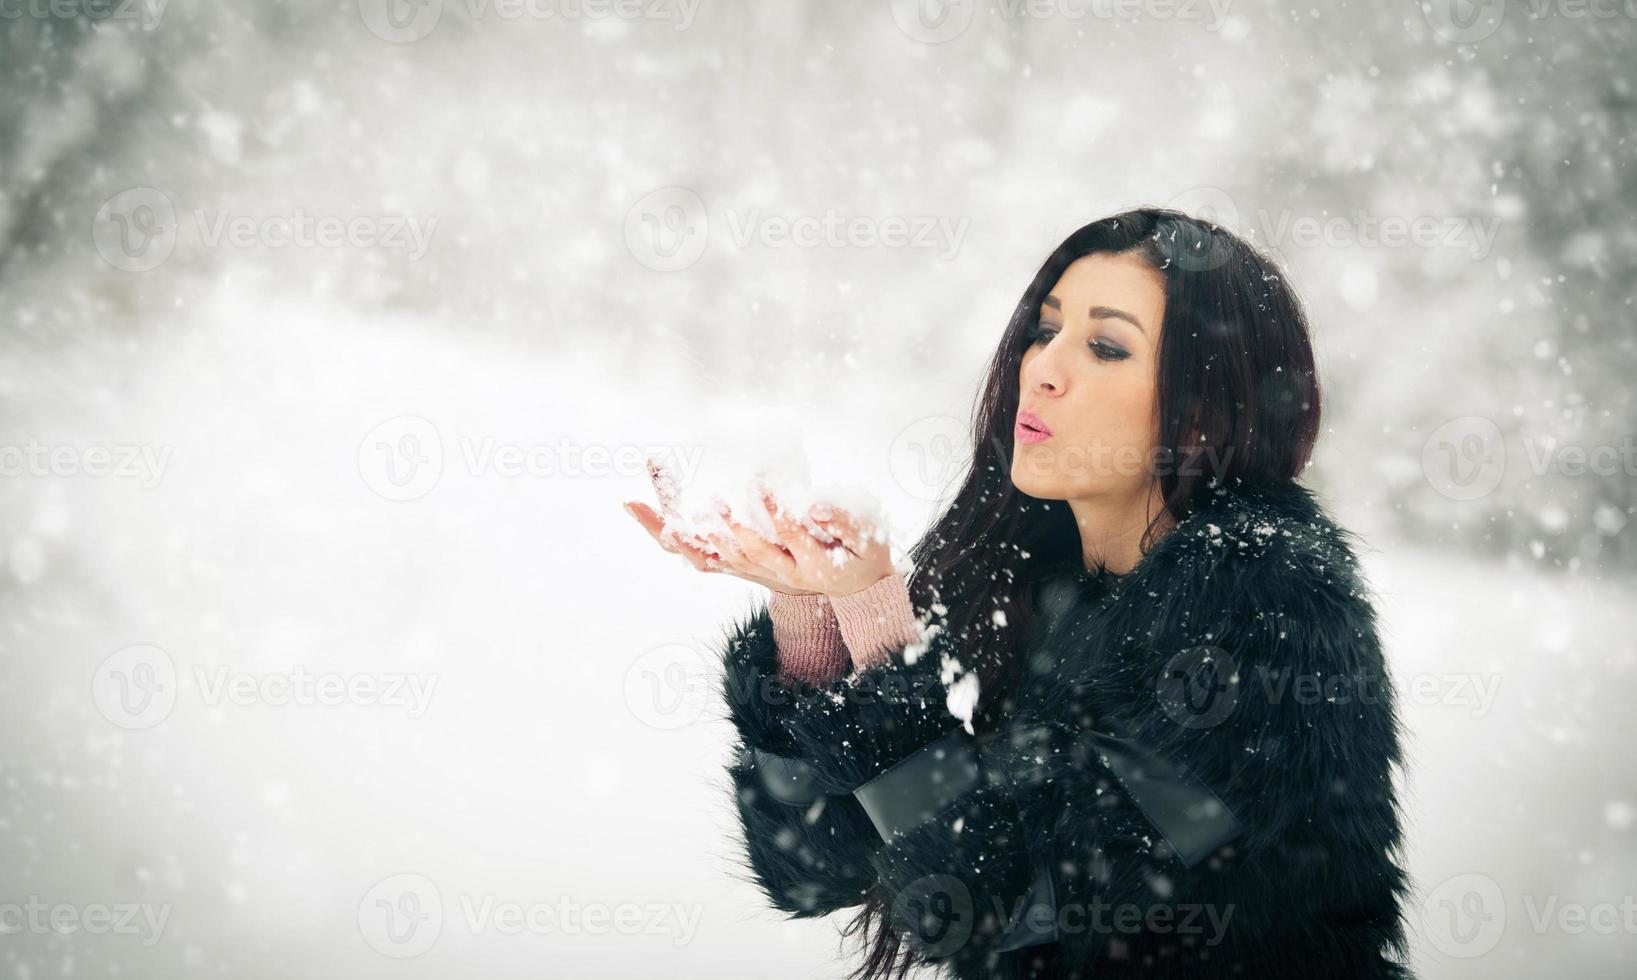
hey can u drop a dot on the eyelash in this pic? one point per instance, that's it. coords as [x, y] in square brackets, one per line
[1104, 351]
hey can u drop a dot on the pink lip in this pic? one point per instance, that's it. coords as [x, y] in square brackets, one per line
[1030, 428]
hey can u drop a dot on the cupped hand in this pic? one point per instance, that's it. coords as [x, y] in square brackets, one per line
[703, 553]
[839, 555]
[846, 555]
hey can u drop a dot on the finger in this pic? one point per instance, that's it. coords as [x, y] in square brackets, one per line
[651, 522]
[816, 524]
[817, 561]
[736, 562]
[664, 487]
[655, 522]
[858, 535]
[771, 557]
[805, 548]
[726, 544]
[696, 557]
[732, 556]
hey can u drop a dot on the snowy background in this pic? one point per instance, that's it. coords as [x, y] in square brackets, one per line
[334, 335]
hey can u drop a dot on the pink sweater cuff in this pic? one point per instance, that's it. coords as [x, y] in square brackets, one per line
[807, 638]
[878, 621]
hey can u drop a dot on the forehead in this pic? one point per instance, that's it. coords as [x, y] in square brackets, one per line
[1124, 282]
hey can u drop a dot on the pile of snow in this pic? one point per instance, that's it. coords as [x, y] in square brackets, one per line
[694, 510]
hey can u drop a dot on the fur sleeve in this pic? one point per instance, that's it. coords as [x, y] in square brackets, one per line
[810, 850]
[954, 879]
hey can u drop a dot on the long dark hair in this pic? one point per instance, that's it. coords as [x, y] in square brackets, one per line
[1238, 401]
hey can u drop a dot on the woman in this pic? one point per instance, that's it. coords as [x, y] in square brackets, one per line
[1181, 760]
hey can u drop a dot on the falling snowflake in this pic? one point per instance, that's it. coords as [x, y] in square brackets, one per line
[963, 698]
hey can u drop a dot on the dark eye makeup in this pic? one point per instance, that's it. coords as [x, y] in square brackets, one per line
[1041, 333]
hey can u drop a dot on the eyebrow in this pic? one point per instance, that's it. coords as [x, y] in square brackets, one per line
[1099, 313]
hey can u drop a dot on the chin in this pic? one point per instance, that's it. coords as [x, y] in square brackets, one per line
[1039, 487]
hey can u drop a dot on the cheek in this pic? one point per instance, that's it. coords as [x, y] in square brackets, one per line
[1124, 410]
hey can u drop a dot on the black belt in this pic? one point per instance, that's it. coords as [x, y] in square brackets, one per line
[922, 783]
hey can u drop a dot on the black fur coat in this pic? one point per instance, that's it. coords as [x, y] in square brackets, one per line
[1194, 778]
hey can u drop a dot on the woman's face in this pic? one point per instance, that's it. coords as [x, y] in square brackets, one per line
[1090, 375]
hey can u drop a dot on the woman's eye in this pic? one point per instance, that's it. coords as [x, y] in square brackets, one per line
[1108, 352]
[1042, 333]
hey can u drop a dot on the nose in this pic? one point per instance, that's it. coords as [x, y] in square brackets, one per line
[1042, 373]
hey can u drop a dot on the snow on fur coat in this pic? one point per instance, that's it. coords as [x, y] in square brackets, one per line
[1195, 778]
